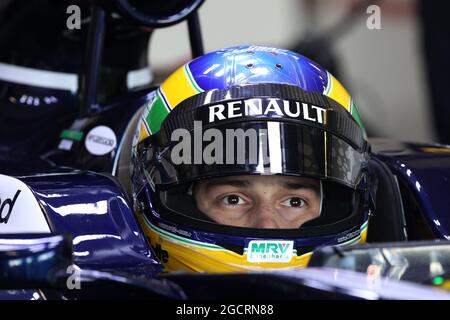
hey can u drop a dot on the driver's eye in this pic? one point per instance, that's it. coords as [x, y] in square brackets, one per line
[295, 202]
[232, 200]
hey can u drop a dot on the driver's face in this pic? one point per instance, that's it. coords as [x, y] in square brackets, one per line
[259, 201]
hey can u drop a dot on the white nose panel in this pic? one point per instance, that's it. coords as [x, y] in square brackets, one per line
[20, 211]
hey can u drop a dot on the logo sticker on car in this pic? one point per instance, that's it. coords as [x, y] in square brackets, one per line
[270, 251]
[7, 203]
[100, 140]
[20, 211]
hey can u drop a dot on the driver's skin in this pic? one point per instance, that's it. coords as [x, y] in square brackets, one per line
[259, 201]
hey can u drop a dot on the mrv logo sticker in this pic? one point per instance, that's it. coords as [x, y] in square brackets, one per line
[100, 141]
[270, 251]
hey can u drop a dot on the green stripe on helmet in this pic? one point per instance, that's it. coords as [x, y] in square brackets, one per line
[191, 79]
[156, 115]
[356, 115]
[329, 84]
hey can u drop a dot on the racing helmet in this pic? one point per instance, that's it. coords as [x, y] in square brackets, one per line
[289, 117]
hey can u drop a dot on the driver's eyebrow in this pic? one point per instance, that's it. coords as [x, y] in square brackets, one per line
[233, 183]
[299, 185]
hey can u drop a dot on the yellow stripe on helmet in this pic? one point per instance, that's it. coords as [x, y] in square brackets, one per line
[178, 87]
[191, 257]
[337, 92]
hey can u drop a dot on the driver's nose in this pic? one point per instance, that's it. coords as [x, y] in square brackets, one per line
[264, 216]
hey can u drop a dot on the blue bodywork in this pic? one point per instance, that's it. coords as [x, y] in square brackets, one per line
[425, 170]
[90, 206]
[93, 209]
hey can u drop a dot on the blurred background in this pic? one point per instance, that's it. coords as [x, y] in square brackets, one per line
[396, 72]
[384, 69]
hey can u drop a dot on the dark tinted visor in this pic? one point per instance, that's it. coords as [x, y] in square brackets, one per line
[252, 147]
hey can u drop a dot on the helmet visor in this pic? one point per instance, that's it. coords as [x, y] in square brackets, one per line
[253, 147]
